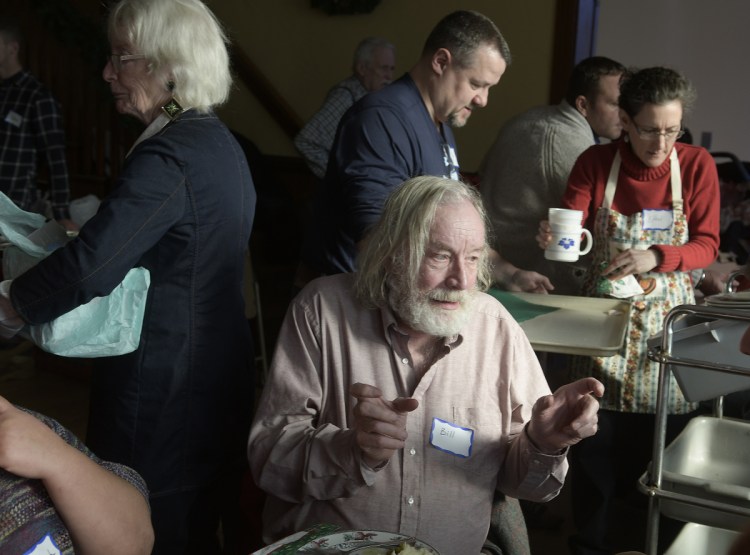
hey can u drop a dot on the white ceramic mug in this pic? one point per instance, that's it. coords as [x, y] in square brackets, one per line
[567, 229]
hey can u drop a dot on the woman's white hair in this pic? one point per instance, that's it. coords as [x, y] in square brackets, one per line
[183, 42]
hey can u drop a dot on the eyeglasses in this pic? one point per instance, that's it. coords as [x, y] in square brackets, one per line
[656, 134]
[118, 60]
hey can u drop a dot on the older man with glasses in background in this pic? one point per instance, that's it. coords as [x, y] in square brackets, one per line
[372, 69]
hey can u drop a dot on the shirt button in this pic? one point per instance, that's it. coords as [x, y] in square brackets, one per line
[410, 501]
[405, 360]
[412, 451]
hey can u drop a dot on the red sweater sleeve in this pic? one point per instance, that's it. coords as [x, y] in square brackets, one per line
[700, 193]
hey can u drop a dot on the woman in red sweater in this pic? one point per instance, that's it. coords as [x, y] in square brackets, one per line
[652, 205]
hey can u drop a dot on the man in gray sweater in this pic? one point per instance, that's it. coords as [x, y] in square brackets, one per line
[526, 170]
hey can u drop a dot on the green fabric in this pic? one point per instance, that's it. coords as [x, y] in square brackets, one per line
[519, 309]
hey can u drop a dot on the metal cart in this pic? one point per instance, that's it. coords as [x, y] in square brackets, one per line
[703, 476]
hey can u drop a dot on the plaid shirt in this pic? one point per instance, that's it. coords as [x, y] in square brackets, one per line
[30, 123]
[315, 139]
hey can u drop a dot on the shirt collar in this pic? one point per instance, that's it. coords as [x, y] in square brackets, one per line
[14, 79]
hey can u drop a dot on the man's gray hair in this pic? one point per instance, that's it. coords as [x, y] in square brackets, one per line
[183, 42]
[366, 48]
[400, 238]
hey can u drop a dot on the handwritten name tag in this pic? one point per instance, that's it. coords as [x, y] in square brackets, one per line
[657, 219]
[451, 438]
[45, 547]
[14, 119]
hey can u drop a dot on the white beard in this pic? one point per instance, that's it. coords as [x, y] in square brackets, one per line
[416, 310]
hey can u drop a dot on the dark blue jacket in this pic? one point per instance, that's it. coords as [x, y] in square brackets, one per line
[178, 407]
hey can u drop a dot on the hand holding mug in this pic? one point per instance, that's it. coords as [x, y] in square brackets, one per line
[544, 235]
[565, 231]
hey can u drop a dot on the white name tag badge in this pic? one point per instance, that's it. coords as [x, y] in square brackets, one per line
[45, 547]
[657, 219]
[451, 438]
[14, 119]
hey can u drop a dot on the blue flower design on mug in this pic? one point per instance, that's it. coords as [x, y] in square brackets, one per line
[566, 242]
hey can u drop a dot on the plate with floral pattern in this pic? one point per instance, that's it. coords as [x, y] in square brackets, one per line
[361, 542]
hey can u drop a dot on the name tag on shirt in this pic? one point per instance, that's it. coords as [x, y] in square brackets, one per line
[657, 219]
[451, 438]
[14, 118]
[45, 547]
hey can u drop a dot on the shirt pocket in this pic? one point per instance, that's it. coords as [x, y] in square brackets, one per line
[487, 445]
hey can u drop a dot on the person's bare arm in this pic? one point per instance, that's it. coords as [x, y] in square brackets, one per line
[103, 512]
[512, 278]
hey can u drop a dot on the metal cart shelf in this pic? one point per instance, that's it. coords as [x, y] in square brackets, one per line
[700, 494]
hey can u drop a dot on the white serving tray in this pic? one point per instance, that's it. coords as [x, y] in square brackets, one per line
[581, 326]
[710, 460]
[715, 342]
[697, 539]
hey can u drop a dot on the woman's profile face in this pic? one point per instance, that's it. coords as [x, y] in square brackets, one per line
[653, 131]
[137, 90]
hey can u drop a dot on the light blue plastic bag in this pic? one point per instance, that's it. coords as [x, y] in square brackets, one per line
[105, 326]
[16, 224]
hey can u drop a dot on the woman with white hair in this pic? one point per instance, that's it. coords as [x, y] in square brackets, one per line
[178, 408]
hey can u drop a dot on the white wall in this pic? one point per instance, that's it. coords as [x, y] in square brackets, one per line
[706, 40]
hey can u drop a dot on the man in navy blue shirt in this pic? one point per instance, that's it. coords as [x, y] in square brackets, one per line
[402, 131]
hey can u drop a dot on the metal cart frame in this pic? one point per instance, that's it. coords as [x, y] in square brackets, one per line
[665, 358]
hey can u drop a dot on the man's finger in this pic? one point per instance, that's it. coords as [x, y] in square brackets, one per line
[364, 391]
[384, 429]
[405, 404]
[594, 387]
[376, 411]
[543, 403]
[585, 386]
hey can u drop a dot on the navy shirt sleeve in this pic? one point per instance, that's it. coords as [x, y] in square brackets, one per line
[380, 154]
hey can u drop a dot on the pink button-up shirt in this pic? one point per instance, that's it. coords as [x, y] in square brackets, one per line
[302, 449]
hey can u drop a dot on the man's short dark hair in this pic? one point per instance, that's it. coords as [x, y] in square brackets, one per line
[462, 33]
[584, 80]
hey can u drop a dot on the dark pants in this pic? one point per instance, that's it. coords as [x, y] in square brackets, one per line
[606, 467]
[187, 523]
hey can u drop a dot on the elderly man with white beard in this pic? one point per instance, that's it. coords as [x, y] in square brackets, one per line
[401, 397]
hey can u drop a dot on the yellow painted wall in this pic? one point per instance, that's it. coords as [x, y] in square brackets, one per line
[303, 51]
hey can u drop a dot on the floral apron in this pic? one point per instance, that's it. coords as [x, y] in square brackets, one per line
[629, 377]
